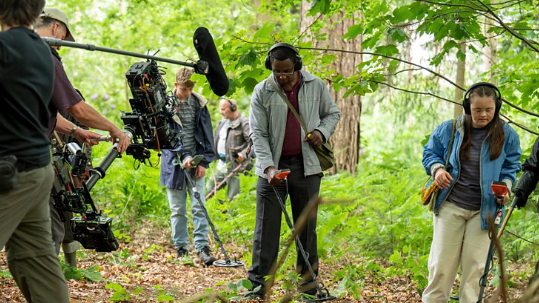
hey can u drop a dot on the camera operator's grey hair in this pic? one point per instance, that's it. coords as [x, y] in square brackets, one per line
[45, 21]
[20, 12]
[183, 77]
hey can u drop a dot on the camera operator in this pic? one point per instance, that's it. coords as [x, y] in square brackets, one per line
[231, 140]
[26, 82]
[54, 23]
[195, 123]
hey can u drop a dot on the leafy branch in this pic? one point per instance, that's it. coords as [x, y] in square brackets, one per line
[509, 120]
[416, 65]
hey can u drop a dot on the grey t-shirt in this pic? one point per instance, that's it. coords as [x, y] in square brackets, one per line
[186, 112]
[467, 191]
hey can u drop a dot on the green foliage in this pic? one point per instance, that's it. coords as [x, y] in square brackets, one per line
[376, 218]
[5, 274]
[91, 273]
[119, 292]
[163, 296]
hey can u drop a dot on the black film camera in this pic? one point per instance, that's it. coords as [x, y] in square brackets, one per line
[91, 229]
[152, 113]
[94, 233]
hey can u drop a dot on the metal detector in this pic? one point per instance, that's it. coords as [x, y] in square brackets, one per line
[221, 184]
[499, 189]
[322, 293]
[219, 263]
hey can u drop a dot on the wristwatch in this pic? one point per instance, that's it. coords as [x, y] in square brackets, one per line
[73, 130]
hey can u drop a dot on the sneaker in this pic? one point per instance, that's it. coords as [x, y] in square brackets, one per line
[182, 252]
[183, 257]
[205, 255]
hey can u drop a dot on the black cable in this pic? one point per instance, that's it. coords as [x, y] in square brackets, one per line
[515, 235]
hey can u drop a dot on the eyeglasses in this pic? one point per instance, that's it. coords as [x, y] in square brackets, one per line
[276, 74]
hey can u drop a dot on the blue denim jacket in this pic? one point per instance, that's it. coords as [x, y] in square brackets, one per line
[171, 175]
[504, 168]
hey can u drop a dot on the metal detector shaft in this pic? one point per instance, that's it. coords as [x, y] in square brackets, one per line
[56, 42]
[99, 171]
[483, 279]
[222, 183]
[214, 231]
[298, 242]
[506, 219]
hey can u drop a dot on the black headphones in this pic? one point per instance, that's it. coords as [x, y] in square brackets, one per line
[466, 101]
[298, 62]
[233, 106]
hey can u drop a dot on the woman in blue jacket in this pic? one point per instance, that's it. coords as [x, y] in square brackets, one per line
[485, 149]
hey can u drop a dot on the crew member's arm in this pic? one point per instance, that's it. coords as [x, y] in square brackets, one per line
[65, 127]
[86, 114]
[528, 180]
[65, 97]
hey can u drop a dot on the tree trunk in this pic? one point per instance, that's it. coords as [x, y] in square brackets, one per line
[461, 72]
[346, 139]
[489, 51]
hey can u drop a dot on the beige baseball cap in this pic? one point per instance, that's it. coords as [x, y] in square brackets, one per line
[56, 14]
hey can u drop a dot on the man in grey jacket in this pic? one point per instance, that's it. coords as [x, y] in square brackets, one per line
[231, 138]
[280, 143]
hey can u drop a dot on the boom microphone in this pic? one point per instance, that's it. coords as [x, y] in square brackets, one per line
[207, 51]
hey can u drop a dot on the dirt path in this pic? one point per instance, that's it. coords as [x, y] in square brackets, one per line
[147, 270]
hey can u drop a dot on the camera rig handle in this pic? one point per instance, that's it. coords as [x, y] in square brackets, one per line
[99, 171]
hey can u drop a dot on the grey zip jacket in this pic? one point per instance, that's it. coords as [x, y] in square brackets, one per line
[268, 121]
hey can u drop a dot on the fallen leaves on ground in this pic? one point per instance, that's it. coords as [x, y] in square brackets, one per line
[147, 269]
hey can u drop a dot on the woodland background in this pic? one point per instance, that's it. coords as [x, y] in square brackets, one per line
[397, 68]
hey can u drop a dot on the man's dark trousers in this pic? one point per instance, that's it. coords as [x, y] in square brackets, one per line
[268, 222]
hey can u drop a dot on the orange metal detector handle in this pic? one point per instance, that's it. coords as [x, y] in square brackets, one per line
[282, 174]
[499, 189]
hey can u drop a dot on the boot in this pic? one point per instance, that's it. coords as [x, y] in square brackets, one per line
[71, 258]
[205, 256]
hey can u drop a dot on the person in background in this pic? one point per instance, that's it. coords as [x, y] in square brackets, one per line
[231, 141]
[195, 123]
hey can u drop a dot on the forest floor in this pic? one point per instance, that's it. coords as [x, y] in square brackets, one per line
[147, 270]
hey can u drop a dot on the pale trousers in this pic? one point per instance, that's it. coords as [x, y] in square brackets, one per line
[458, 240]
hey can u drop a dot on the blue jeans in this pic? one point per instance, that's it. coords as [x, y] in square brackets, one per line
[177, 200]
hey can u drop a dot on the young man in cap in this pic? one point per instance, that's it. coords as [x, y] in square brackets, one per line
[195, 124]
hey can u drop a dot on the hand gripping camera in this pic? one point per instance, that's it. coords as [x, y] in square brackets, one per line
[91, 229]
